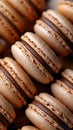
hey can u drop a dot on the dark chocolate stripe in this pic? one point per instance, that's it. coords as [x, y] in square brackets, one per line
[34, 7]
[12, 80]
[37, 56]
[4, 121]
[51, 114]
[67, 82]
[11, 24]
[57, 30]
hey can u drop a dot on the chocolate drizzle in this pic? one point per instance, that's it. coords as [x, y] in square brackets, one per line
[67, 82]
[12, 80]
[4, 121]
[57, 30]
[38, 57]
[51, 114]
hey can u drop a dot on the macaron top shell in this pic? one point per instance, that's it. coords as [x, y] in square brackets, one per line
[56, 30]
[42, 109]
[35, 56]
[19, 77]
[29, 128]
[65, 7]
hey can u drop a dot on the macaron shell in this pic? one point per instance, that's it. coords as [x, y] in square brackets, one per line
[63, 93]
[7, 32]
[6, 109]
[66, 8]
[9, 90]
[37, 115]
[29, 128]
[10, 13]
[53, 39]
[25, 8]
[2, 127]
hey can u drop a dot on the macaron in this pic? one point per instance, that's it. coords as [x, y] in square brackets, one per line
[56, 31]
[15, 17]
[48, 113]
[15, 84]
[63, 88]
[7, 113]
[65, 7]
[28, 127]
[35, 56]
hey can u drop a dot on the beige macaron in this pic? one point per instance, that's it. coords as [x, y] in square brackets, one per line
[57, 31]
[15, 84]
[28, 127]
[48, 113]
[35, 56]
[63, 88]
[65, 7]
[7, 113]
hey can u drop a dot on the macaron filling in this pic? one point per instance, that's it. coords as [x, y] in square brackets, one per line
[57, 30]
[34, 7]
[38, 57]
[67, 82]
[12, 80]
[4, 121]
[51, 114]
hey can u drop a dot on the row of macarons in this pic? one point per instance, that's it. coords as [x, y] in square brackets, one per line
[15, 19]
[17, 89]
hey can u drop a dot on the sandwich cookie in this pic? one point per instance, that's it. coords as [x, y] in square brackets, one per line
[15, 84]
[63, 88]
[57, 31]
[28, 127]
[7, 113]
[48, 113]
[15, 17]
[65, 7]
[35, 56]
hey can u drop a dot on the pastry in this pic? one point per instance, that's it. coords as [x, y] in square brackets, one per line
[56, 31]
[65, 7]
[15, 17]
[15, 84]
[28, 127]
[35, 56]
[63, 88]
[48, 113]
[7, 113]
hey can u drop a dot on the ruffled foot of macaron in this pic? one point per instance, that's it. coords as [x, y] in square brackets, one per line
[35, 56]
[15, 84]
[56, 31]
[63, 89]
[48, 113]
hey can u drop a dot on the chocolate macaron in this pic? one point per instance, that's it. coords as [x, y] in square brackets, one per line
[7, 113]
[48, 113]
[15, 84]
[15, 17]
[35, 56]
[57, 31]
[63, 88]
[65, 7]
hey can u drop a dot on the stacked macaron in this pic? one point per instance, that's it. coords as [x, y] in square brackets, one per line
[65, 7]
[15, 84]
[28, 127]
[36, 57]
[48, 113]
[63, 88]
[7, 113]
[15, 17]
[57, 31]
